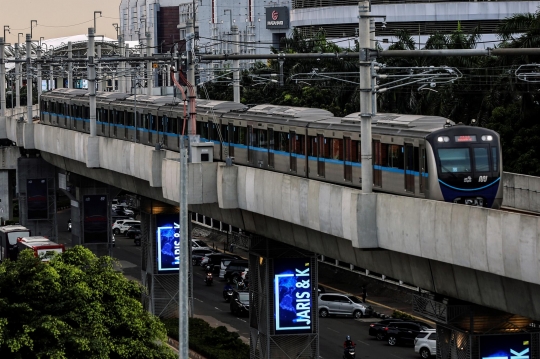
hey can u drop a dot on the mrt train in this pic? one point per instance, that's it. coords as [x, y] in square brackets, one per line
[413, 155]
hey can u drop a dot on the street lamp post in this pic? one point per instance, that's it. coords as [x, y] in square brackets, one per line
[31, 27]
[6, 27]
[96, 12]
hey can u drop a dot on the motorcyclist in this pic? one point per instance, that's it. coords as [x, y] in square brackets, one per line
[208, 280]
[348, 348]
[348, 343]
[226, 290]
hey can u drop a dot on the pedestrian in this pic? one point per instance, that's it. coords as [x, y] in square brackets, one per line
[364, 293]
[232, 248]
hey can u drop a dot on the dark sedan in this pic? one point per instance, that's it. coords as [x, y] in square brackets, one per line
[377, 329]
[133, 231]
[240, 303]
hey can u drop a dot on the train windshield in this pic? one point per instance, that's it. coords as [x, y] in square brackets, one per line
[481, 159]
[455, 160]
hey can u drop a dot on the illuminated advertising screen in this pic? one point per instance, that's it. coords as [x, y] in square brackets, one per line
[95, 221]
[292, 296]
[36, 199]
[168, 242]
[507, 346]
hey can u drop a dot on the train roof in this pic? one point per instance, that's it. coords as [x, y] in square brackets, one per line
[405, 122]
[13, 228]
[289, 111]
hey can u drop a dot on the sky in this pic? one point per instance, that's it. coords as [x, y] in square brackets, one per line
[57, 18]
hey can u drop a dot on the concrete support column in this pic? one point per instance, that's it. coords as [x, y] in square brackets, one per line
[37, 196]
[92, 150]
[38, 81]
[121, 67]
[6, 196]
[3, 130]
[148, 76]
[365, 95]
[236, 64]
[99, 80]
[70, 66]
[29, 94]
[17, 77]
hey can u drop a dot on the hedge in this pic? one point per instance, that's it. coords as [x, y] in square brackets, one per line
[212, 343]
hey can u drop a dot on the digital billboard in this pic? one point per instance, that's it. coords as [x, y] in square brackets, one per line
[168, 242]
[36, 199]
[292, 296]
[508, 346]
[95, 220]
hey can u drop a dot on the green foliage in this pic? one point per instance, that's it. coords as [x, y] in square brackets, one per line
[75, 306]
[212, 343]
[402, 315]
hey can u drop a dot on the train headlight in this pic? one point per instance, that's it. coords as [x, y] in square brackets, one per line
[443, 139]
[487, 138]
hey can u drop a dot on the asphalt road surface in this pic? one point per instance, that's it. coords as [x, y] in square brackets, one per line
[209, 302]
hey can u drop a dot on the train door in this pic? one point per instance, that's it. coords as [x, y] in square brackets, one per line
[292, 151]
[250, 143]
[423, 168]
[347, 159]
[271, 162]
[320, 155]
[409, 167]
[482, 169]
[151, 128]
[377, 163]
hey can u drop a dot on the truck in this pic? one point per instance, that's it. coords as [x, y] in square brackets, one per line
[8, 240]
[42, 247]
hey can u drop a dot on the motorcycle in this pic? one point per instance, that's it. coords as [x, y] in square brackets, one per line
[209, 279]
[349, 353]
[227, 294]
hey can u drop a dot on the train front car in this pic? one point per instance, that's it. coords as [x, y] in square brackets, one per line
[468, 166]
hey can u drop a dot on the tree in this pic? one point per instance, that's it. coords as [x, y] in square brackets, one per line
[75, 306]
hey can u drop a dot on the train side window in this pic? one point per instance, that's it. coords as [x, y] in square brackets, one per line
[395, 158]
[214, 134]
[494, 159]
[174, 125]
[416, 165]
[242, 136]
[281, 141]
[312, 146]
[225, 133]
[337, 149]
[325, 147]
[481, 159]
[300, 145]
[261, 138]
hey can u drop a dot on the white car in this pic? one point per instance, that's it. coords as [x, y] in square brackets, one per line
[122, 225]
[425, 344]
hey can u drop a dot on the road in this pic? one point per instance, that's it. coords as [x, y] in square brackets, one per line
[208, 302]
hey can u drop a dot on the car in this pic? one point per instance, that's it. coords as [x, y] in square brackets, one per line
[197, 254]
[122, 211]
[133, 231]
[377, 329]
[122, 225]
[233, 271]
[240, 303]
[343, 304]
[197, 243]
[212, 262]
[404, 332]
[425, 344]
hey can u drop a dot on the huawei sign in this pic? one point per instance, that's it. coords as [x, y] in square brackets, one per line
[277, 18]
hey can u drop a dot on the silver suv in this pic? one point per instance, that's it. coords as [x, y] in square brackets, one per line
[343, 304]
